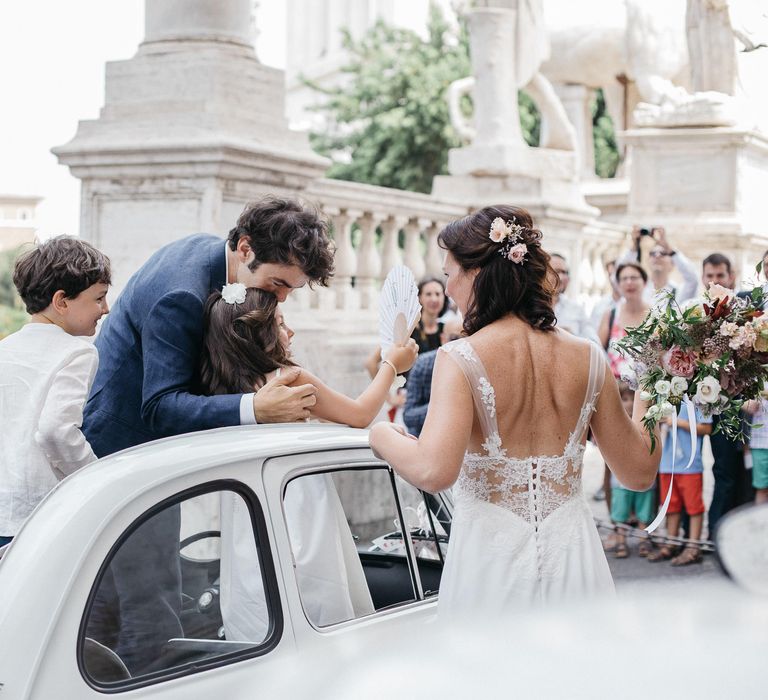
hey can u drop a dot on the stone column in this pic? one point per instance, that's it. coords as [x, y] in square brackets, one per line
[576, 100]
[174, 20]
[706, 186]
[192, 128]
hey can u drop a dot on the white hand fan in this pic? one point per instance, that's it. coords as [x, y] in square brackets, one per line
[399, 307]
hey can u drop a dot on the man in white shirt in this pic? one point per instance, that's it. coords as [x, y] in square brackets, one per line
[662, 260]
[569, 313]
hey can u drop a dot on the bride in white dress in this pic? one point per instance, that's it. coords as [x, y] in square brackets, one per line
[511, 406]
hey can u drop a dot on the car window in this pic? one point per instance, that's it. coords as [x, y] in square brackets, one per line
[428, 523]
[351, 559]
[162, 604]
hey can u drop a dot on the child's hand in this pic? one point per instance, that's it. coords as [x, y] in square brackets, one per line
[402, 356]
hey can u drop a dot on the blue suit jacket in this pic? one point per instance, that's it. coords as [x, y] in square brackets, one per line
[419, 392]
[149, 348]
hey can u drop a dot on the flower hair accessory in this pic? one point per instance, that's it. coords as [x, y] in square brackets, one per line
[509, 234]
[233, 293]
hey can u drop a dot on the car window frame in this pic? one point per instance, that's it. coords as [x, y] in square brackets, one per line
[271, 590]
[359, 465]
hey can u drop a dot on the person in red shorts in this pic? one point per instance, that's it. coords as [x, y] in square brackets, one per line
[687, 491]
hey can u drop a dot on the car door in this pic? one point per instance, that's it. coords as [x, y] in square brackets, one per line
[359, 558]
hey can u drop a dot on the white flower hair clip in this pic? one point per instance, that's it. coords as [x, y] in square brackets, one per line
[509, 233]
[234, 293]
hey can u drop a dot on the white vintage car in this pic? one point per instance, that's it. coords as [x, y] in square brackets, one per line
[205, 565]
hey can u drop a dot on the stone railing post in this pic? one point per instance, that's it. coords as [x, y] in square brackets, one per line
[390, 250]
[412, 255]
[345, 258]
[368, 260]
[434, 256]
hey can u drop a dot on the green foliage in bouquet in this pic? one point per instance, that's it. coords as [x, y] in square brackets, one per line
[715, 351]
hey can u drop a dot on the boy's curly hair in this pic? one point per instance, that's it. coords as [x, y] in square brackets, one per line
[63, 262]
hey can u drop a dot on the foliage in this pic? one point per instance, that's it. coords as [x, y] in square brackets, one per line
[390, 121]
[604, 136]
[12, 315]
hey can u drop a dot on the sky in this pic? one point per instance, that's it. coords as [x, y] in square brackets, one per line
[52, 56]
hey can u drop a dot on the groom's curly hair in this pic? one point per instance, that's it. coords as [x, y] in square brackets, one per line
[286, 232]
[502, 286]
[241, 344]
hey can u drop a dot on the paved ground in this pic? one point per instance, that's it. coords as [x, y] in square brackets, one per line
[635, 571]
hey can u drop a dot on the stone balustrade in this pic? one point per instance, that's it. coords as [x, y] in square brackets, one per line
[374, 229]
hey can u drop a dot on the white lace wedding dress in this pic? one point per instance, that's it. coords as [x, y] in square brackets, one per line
[522, 531]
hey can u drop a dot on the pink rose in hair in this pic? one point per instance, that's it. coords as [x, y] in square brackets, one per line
[517, 253]
[679, 362]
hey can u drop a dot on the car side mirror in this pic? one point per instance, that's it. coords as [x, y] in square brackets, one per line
[742, 547]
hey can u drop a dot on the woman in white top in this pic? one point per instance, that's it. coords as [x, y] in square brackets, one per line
[507, 424]
[46, 372]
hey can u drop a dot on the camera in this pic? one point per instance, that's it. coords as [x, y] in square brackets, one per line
[646, 231]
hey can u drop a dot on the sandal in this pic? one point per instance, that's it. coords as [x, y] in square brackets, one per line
[611, 542]
[645, 548]
[662, 553]
[622, 551]
[690, 555]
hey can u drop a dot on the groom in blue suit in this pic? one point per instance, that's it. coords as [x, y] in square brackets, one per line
[149, 349]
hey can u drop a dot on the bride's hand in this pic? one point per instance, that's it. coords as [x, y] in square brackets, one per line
[377, 437]
[402, 356]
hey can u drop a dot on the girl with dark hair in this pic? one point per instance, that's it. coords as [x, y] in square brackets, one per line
[246, 343]
[511, 406]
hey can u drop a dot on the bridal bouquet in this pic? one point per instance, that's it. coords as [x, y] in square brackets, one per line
[713, 350]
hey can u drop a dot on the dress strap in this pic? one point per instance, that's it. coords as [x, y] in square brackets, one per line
[483, 394]
[594, 386]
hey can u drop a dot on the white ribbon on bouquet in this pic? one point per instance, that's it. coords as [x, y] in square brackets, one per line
[692, 426]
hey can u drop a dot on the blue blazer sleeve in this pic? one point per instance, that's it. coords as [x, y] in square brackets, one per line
[171, 340]
[417, 397]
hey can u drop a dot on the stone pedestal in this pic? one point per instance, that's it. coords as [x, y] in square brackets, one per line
[192, 128]
[706, 186]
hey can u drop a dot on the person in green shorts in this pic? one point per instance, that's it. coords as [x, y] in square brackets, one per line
[758, 445]
[626, 503]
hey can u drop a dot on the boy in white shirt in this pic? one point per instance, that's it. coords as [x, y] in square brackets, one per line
[46, 371]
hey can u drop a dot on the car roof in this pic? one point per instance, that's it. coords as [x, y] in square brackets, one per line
[111, 481]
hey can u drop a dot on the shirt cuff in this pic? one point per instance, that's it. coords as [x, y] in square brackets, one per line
[247, 414]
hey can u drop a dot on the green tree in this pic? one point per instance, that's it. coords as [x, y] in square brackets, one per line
[12, 314]
[604, 136]
[390, 121]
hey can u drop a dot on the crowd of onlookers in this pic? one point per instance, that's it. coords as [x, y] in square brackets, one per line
[636, 278]
[740, 471]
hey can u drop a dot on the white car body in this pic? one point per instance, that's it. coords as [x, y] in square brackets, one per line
[48, 571]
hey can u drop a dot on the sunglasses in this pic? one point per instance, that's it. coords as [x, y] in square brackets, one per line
[658, 254]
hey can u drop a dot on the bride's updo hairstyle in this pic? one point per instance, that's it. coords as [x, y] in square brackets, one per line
[502, 286]
[241, 344]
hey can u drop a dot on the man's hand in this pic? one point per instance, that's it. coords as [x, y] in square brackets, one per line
[277, 403]
[660, 236]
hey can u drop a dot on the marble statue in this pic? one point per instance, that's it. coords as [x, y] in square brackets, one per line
[718, 33]
[593, 44]
[529, 46]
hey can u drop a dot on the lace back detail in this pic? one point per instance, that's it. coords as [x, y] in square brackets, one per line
[532, 487]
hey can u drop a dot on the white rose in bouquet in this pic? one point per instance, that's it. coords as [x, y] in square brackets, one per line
[708, 391]
[662, 387]
[678, 386]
